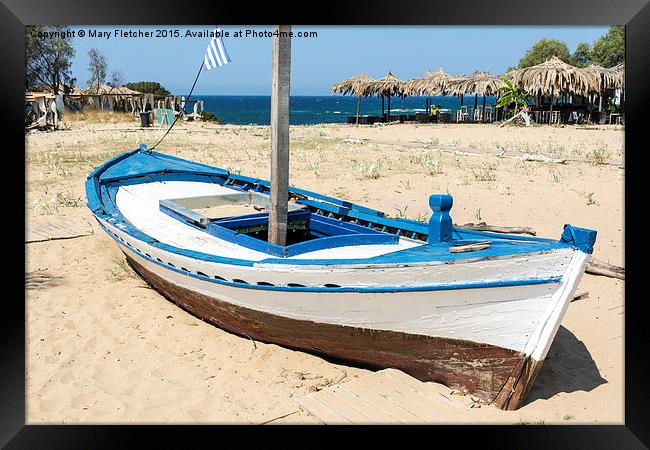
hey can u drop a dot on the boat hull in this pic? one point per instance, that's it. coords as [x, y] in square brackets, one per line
[493, 373]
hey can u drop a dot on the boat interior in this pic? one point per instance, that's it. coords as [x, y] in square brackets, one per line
[243, 218]
[204, 209]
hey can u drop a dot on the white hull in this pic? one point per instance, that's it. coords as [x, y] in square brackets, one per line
[522, 318]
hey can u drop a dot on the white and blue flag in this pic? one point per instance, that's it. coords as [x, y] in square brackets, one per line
[216, 54]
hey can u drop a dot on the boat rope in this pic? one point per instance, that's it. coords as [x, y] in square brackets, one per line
[187, 101]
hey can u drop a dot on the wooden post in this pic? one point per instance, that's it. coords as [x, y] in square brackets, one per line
[358, 107]
[483, 115]
[388, 109]
[280, 135]
[382, 105]
[600, 103]
[475, 107]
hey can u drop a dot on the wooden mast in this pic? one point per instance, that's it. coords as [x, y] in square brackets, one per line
[280, 135]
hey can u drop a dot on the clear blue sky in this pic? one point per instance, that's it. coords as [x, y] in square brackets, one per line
[337, 53]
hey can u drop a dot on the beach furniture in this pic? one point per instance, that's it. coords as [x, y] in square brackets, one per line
[462, 115]
[489, 114]
[615, 118]
[422, 118]
[472, 310]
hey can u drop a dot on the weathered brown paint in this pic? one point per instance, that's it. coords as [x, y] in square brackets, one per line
[491, 373]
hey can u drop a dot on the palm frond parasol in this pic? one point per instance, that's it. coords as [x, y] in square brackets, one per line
[553, 78]
[387, 86]
[357, 85]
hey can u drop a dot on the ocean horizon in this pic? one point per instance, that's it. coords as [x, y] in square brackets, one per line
[315, 109]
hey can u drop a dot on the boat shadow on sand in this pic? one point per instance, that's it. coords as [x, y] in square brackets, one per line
[568, 367]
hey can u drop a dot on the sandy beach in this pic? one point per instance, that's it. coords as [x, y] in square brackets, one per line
[103, 347]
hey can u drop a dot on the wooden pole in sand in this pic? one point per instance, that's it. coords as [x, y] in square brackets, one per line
[388, 118]
[483, 114]
[280, 135]
[358, 107]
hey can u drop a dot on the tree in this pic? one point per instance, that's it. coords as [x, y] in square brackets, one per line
[48, 58]
[117, 79]
[609, 50]
[509, 93]
[544, 49]
[148, 87]
[582, 55]
[97, 67]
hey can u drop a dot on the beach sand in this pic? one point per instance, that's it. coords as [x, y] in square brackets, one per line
[102, 347]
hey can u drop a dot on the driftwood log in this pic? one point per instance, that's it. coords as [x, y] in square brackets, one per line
[520, 115]
[482, 226]
[594, 266]
[597, 267]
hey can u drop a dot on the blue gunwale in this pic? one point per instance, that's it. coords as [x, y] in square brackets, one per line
[102, 184]
[354, 289]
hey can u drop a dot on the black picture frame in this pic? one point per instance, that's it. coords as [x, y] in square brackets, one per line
[634, 14]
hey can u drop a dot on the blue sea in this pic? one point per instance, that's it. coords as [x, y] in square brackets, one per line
[306, 110]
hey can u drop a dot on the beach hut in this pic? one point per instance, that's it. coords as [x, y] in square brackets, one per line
[554, 78]
[387, 86]
[477, 83]
[356, 85]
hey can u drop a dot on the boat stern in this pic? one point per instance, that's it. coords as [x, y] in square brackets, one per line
[514, 392]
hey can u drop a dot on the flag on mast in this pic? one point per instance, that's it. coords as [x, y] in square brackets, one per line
[216, 54]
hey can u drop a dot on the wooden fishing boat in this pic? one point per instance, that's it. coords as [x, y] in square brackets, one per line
[473, 310]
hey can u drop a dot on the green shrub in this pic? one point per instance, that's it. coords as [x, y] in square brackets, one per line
[148, 87]
[209, 117]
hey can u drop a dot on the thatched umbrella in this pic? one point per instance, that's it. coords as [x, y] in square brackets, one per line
[421, 86]
[554, 77]
[478, 83]
[434, 83]
[387, 87]
[619, 75]
[356, 85]
[605, 78]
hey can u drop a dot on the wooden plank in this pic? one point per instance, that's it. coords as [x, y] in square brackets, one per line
[434, 391]
[321, 411]
[385, 408]
[347, 410]
[183, 212]
[426, 407]
[386, 396]
[61, 229]
[405, 395]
